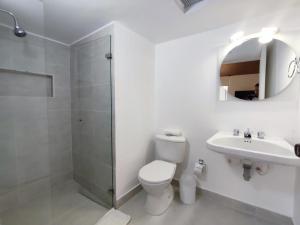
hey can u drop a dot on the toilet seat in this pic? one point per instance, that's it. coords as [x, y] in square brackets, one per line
[157, 172]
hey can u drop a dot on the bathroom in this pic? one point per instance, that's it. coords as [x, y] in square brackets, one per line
[93, 87]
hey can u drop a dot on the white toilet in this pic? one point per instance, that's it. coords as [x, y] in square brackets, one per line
[156, 176]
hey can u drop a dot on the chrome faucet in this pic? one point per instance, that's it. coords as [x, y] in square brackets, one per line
[247, 134]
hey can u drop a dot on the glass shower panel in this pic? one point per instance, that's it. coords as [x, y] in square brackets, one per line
[24, 154]
[92, 119]
[38, 158]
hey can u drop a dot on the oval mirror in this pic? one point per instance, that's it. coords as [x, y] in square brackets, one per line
[253, 71]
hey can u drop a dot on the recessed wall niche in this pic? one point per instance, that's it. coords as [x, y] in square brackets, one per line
[20, 83]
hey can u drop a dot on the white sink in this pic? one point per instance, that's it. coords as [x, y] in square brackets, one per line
[273, 150]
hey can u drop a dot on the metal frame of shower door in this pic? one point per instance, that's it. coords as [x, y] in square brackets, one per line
[113, 124]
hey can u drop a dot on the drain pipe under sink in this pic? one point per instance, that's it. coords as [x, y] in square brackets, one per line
[247, 166]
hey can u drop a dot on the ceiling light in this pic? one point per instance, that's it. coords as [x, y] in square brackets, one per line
[267, 34]
[237, 36]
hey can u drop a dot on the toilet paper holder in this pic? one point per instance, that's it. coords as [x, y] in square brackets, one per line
[202, 162]
[200, 165]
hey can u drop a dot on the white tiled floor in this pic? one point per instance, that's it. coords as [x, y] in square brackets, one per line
[205, 211]
[63, 206]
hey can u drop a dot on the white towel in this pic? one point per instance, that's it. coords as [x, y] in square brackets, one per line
[173, 132]
[114, 217]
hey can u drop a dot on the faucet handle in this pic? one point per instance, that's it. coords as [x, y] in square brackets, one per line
[261, 134]
[247, 134]
[236, 132]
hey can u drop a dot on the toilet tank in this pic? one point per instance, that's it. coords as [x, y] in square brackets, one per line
[170, 148]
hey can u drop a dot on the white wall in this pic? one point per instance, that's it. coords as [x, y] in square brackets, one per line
[134, 105]
[296, 217]
[187, 81]
[297, 199]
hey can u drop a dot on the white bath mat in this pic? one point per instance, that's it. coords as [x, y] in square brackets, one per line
[114, 217]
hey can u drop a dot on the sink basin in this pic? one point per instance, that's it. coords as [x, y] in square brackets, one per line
[273, 150]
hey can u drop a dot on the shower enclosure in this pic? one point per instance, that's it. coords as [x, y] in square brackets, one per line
[56, 161]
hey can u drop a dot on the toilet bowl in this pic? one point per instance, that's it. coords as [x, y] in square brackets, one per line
[156, 176]
[156, 179]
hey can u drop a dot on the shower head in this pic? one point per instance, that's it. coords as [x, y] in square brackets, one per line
[18, 31]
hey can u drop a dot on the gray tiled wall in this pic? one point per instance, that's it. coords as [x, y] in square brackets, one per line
[35, 132]
[13, 83]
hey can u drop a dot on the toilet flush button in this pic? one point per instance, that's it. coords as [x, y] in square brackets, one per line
[297, 150]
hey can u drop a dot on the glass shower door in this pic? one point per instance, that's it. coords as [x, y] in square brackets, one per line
[92, 119]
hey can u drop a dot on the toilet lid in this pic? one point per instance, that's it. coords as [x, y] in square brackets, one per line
[157, 172]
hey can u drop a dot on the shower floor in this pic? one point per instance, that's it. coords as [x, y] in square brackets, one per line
[63, 206]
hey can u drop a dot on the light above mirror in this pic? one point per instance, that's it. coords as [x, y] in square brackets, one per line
[254, 71]
[267, 34]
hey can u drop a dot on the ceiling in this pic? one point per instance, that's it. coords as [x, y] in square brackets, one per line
[157, 20]
[248, 51]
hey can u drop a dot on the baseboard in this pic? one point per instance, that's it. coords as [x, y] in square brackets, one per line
[121, 201]
[294, 222]
[242, 207]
